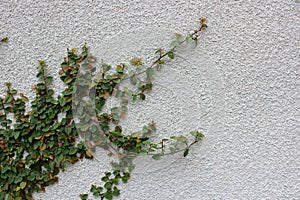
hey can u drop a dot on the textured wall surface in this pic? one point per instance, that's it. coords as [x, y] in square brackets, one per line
[240, 86]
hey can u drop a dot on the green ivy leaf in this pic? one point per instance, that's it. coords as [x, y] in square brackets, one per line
[31, 177]
[16, 135]
[51, 165]
[199, 136]
[149, 72]
[83, 196]
[61, 100]
[59, 158]
[119, 94]
[18, 179]
[125, 179]
[171, 54]
[174, 43]
[108, 185]
[189, 38]
[116, 117]
[204, 25]
[156, 157]
[84, 127]
[136, 61]
[48, 79]
[68, 80]
[72, 150]
[116, 191]
[142, 96]
[23, 185]
[186, 152]
[68, 129]
[4, 39]
[8, 99]
[133, 80]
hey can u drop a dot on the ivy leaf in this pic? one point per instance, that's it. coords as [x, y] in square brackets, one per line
[13, 91]
[105, 67]
[61, 100]
[149, 72]
[161, 61]
[85, 127]
[16, 135]
[51, 165]
[83, 196]
[31, 177]
[8, 99]
[119, 94]
[116, 191]
[48, 79]
[199, 136]
[107, 185]
[68, 80]
[136, 61]
[142, 96]
[133, 80]
[186, 152]
[93, 188]
[171, 54]
[116, 117]
[4, 39]
[89, 153]
[18, 179]
[125, 179]
[189, 38]
[204, 25]
[68, 129]
[23, 185]
[172, 150]
[108, 195]
[72, 150]
[156, 156]
[174, 43]
[59, 158]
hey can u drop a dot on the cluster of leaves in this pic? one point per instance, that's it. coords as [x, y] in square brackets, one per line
[36, 145]
[128, 145]
[109, 189]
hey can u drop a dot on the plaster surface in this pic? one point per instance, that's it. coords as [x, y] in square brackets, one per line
[240, 86]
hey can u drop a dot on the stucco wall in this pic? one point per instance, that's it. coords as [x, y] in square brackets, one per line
[240, 86]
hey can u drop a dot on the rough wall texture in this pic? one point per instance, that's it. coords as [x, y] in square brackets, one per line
[240, 86]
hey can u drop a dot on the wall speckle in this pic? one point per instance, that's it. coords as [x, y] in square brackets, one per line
[240, 86]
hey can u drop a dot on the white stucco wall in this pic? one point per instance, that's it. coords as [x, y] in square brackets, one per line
[240, 86]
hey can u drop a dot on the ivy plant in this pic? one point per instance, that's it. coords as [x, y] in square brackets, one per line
[36, 145]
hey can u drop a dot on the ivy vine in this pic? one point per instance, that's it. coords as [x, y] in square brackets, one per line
[36, 145]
